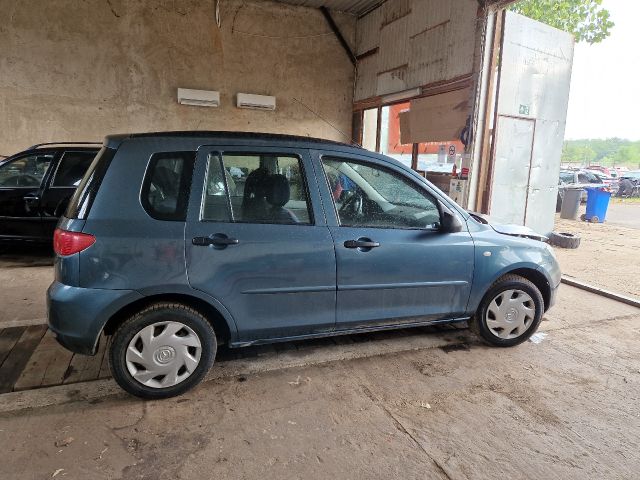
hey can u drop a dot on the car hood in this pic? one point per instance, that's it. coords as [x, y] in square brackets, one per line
[509, 229]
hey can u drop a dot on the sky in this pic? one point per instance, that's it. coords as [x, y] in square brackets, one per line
[605, 84]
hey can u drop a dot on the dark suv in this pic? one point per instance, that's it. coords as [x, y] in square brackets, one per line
[176, 242]
[35, 188]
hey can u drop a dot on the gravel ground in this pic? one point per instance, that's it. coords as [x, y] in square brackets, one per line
[608, 256]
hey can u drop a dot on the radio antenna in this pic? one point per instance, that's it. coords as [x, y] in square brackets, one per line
[327, 122]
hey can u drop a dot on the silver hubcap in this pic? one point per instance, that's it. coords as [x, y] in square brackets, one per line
[510, 314]
[163, 354]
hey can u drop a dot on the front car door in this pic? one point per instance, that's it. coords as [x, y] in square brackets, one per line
[66, 176]
[394, 265]
[257, 241]
[21, 181]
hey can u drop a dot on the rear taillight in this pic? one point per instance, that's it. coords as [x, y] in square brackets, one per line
[67, 243]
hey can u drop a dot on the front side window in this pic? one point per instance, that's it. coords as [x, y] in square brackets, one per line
[25, 172]
[255, 188]
[165, 190]
[71, 169]
[368, 195]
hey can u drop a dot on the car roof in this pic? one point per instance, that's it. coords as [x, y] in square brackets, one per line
[221, 137]
[54, 147]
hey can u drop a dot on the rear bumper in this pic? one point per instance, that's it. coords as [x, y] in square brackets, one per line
[77, 315]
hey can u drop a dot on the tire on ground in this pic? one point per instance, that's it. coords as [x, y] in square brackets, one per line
[564, 239]
[155, 313]
[478, 324]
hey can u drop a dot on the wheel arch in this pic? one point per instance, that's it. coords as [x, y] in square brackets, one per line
[525, 270]
[225, 332]
[538, 279]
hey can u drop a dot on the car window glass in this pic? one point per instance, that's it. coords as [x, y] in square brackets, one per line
[72, 168]
[368, 195]
[255, 188]
[165, 190]
[26, 171]
[566, 177]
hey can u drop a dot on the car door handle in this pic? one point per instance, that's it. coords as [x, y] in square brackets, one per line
[217, 240]
[361, 243]
[31, 198]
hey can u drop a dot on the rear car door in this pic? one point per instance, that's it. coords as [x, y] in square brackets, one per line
[21, 181]
[394, 264]
[257, 241]
[66, 176]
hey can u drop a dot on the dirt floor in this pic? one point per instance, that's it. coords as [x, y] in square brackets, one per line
[608, 256]
[562, 408]
[396, 405]
[25, 275]
[624, 212]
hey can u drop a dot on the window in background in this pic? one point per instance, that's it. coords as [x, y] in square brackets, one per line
[370, 129]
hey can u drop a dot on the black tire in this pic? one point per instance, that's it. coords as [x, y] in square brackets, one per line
[479, 325]
[161, 312]
[564, 239]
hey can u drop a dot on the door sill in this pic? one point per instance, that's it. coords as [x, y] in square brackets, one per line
[349, 331]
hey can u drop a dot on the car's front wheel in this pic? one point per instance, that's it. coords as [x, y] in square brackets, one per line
[510, 312]
[162, 351]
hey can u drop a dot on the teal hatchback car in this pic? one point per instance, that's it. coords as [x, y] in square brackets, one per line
[177, 242]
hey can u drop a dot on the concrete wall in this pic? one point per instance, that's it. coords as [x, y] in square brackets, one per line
[78, 70]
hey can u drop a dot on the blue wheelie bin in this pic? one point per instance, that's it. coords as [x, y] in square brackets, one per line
[597, 204]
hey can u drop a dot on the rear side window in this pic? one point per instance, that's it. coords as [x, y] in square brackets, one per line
[255, 188]
[72, 168]
[165, 190]
[87, 190]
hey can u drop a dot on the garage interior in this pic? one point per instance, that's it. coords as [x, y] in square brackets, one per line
[418, 80]
[414, 79]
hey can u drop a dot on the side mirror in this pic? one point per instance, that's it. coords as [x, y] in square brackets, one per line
[450, 221]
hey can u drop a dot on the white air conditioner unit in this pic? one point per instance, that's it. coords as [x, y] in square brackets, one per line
[199, 98]
[256, 102]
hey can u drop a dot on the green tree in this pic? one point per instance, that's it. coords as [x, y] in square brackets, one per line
[587, 20]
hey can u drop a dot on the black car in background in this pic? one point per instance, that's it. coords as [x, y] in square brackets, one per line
[36, 186]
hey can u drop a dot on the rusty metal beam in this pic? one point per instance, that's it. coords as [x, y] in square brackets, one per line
[338, 34]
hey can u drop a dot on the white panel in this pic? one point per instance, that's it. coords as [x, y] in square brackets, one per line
[428, 56]
[392, 10]
[511, 170]
[367, 78]
[393, 45]
[462, 38]
[434, 38]
[535, 80]
[426, 14]
[368, 32]
[392, 81]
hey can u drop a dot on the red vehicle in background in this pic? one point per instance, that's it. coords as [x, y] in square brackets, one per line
[609, 172]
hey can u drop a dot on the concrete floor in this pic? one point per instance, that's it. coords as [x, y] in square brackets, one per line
[426, 405]
[562, 408]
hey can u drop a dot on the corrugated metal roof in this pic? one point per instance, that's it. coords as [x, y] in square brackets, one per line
[356, 7]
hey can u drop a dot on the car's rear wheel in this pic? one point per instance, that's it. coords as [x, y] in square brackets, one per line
[510, 312]
[162, 351]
